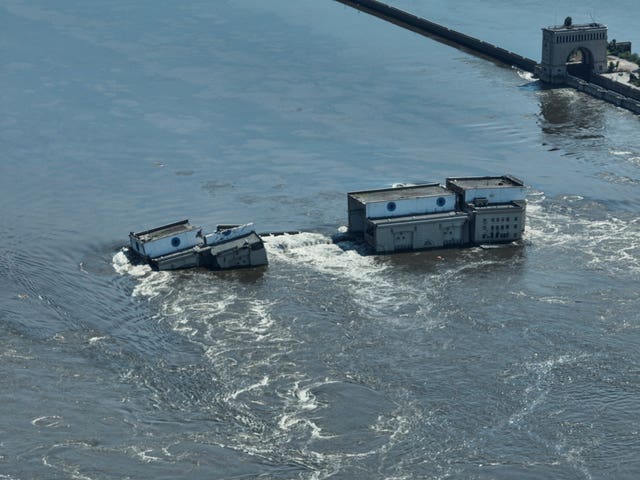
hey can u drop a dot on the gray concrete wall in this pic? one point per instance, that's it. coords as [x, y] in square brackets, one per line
[407, 235]
[605, 93]
[617, 87]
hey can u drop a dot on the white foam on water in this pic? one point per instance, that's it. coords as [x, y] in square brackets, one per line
[611, 244]
[298, 402]
[240, 333]
[542, 379]
[209, 303]
[329, 464]
[144, 456]
[150, 283]
[153, 285]
[123, 266]
[262, 383]
[290, 422]
[48, 421]
[528, 76]
[260, 321]
[319, 252]
[13, 353]
[302, 410]
[365, 277]
[306, 399]
[620, 152]
[574, 457]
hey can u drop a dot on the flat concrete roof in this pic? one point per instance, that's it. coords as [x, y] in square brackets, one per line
[466, 183]
[164, 231]
[579, 27]
[399, 193]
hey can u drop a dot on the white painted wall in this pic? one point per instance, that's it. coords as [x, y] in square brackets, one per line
[163, 246]
[229, 234]
[411, 206]
[496, 195]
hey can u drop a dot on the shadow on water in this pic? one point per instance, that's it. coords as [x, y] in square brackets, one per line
[432, 261]
[532, 86]
[98, 259]
[245, 276]
[564, 110]
[491, 258]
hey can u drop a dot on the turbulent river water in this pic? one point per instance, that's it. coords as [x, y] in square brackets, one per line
[512, 362]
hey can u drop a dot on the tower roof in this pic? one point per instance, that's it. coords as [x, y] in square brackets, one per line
[576, 27]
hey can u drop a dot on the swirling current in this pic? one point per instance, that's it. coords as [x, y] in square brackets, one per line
[518, 361]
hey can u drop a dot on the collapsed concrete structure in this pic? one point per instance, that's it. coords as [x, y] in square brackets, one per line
[182, 245]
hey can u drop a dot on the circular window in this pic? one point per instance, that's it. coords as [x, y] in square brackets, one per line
[175, 242]
[441, 201]
[391, 206]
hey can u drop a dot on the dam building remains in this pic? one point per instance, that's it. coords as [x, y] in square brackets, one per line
[578, 50]
[467, 211]
[572, 55]
[182, 245]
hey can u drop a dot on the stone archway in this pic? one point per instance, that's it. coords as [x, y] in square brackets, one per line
[580, 62]
[569, 49]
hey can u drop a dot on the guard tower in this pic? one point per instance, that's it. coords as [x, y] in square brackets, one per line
[579, 50]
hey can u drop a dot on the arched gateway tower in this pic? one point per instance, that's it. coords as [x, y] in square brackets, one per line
[578, 50]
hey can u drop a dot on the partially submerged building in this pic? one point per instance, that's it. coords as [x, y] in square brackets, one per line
[496, 207]
[467, 211]
[407, 218]
[182, 245]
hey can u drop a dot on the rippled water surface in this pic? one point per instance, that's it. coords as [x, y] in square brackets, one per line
[512, 362]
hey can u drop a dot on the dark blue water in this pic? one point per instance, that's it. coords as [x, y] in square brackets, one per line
[516, 362]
